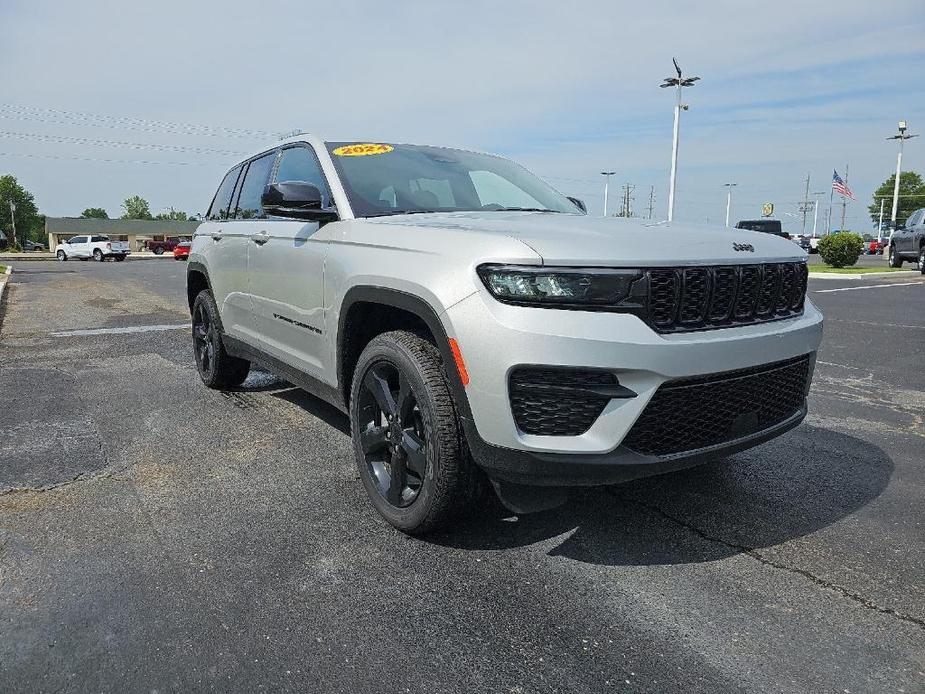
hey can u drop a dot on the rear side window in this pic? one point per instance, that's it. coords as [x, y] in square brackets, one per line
[97, 239]
[301, 164]
[219, 209]
[78, 239]
[255, 180]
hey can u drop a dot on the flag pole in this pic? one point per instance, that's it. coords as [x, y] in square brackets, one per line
[828, 223]
[844, 201]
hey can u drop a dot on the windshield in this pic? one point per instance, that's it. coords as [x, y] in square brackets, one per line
[384, 179]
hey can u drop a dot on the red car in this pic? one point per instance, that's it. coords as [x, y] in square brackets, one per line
[181, 250]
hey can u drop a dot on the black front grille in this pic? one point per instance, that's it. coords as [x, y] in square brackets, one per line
[692, 413]
[558, 402]
[703, 298]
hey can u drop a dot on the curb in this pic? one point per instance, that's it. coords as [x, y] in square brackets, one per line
[51, 258]
[860, 275]
[4, 280]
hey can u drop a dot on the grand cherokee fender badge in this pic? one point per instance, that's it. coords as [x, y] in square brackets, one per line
[743, 247]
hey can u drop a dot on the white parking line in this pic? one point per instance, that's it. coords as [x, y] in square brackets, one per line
[118, 331]
[866, 286]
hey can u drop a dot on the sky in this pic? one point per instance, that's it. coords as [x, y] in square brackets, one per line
[100, 101]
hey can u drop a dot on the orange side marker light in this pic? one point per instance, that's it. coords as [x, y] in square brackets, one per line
[460, 364]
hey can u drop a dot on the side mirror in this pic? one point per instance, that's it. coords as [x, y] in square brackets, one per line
[580, 204]
[297, 199]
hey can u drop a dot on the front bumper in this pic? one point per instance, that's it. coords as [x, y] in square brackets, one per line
[496, 338]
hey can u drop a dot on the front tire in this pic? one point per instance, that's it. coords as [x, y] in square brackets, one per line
[159, 250]
[216, 367]
[409, 447]
[895, 260]
[98, 255]
[62, 256]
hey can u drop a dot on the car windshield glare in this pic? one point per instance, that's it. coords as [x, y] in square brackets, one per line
[386, 179]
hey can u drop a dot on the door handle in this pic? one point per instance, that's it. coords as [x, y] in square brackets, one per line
[260, 237]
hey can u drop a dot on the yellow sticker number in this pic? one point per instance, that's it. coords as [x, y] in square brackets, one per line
[362, 150]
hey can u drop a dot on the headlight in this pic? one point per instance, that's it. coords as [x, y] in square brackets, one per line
[577, 288]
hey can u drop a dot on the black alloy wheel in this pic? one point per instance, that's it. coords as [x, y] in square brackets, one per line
[392, 434]
[410, 450]
[204, 341]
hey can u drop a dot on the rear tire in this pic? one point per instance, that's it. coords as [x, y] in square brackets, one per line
[216, 367]
[98, 255]
[62, 256]
[922, 260]
[895, 260]
[119, 258]
[410, 450]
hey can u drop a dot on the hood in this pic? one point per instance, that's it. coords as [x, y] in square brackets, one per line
[583, 240]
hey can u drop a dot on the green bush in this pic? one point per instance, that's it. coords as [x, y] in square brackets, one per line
[842, 249]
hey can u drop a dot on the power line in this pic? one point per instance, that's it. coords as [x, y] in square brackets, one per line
[106, 161]
[115, 143]
[51, 115]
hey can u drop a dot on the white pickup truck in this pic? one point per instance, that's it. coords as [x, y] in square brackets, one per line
[98, 247]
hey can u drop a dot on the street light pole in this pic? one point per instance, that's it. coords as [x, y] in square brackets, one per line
[13, 221]
[729, 187]
[902, 137]
[606, 175]
[677, 82]
[816, 211]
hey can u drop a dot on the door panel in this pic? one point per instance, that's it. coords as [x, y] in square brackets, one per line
[286, 274]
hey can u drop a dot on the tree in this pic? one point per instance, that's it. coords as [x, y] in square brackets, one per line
[95, 213]
[26, 213]
[911, 197]
[175, 215]
[136, 208]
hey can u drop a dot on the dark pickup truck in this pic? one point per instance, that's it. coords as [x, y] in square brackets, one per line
[768, 226]
[908, 242]
[161, 247]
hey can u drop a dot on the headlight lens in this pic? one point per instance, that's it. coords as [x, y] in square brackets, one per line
[565, 287]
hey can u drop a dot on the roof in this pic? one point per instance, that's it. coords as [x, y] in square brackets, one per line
[144, 227]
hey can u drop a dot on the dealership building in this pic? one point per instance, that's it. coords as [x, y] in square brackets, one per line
[135, 231]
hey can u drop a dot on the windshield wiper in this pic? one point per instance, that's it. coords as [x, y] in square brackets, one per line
[526, 209]
[389, 213]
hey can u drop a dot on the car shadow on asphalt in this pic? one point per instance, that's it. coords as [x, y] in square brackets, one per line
[783, 490]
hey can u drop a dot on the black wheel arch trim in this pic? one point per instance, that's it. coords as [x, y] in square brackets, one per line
[418, 307]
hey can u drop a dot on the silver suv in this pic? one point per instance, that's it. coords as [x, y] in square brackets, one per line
[476, 325]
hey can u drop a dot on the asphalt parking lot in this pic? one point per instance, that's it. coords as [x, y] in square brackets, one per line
[158, 536]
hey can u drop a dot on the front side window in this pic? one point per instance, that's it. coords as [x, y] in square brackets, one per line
[400, 179]
[219, 208]
[255, 180]
[301, 164]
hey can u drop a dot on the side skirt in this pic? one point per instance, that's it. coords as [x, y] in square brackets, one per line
[312, 385]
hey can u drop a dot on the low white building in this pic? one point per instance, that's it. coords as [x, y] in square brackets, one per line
[135, 231]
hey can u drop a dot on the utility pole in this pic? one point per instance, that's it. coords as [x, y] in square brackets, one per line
[804, 206]
[902, 137]
[729, 187]
[677, 82]
[651, 200]
[627, 210]
[844, 201]
[606, 175]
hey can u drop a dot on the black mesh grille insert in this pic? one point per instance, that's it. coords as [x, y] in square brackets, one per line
[704, 298]
[557, 402]
[692, 413]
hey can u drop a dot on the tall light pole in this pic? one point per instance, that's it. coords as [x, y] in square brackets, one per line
[13, 221]
[729, 187]
[606, 175]
[816, 211]
[676, 82]
[902, 137]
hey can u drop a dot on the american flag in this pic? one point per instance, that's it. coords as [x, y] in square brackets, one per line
[840, 187]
